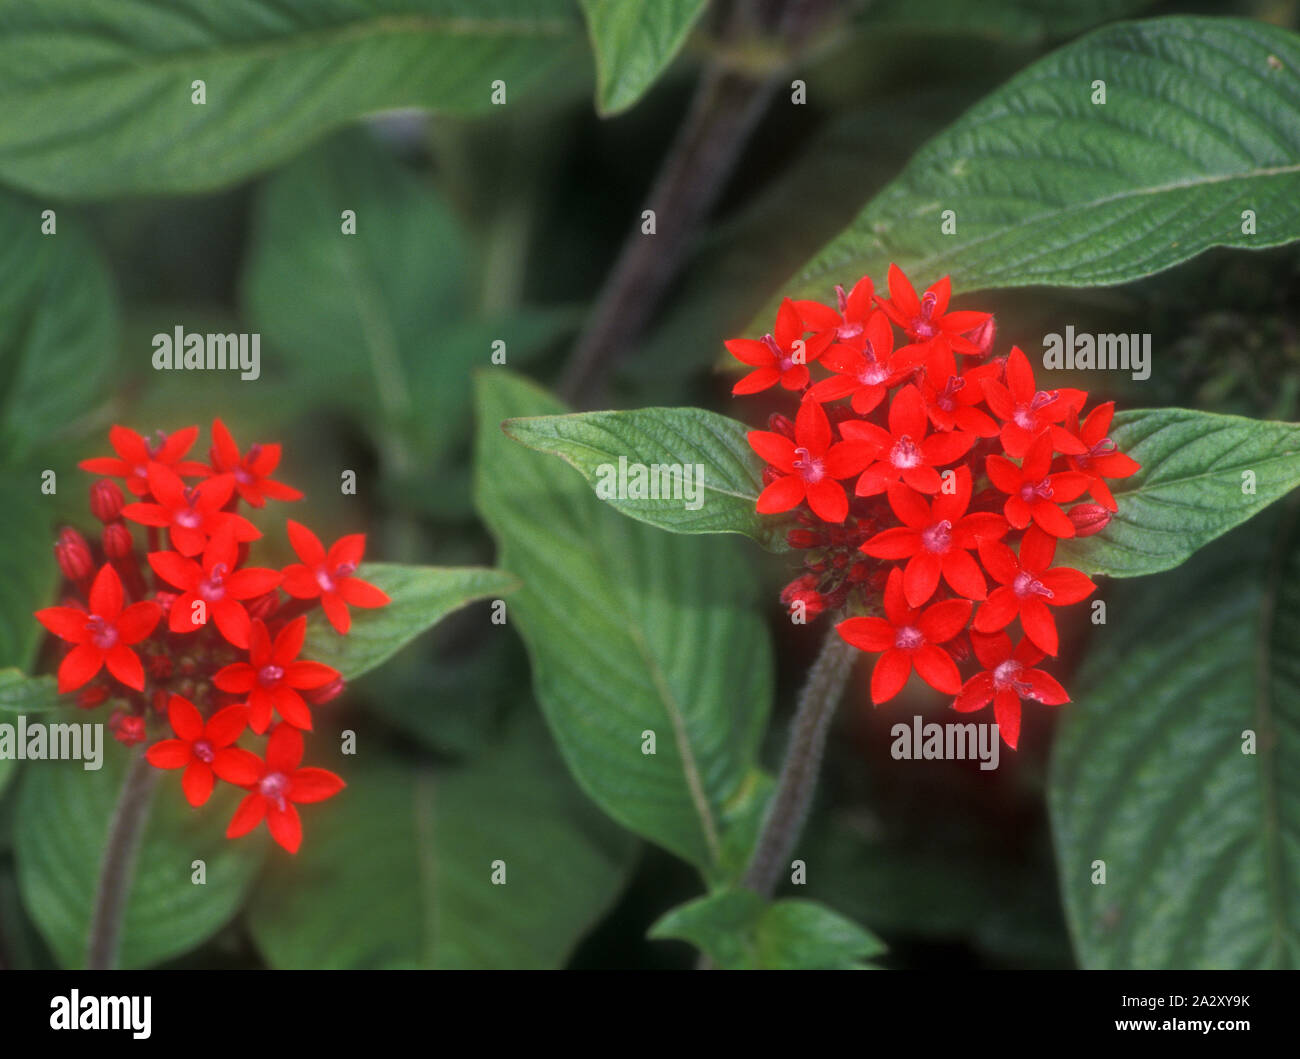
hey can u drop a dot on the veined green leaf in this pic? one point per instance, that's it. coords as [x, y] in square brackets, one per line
[635, 40]
[681, 469]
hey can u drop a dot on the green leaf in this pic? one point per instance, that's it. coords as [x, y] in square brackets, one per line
[739, 931]
[421, 597]
[58, 325]
[1201, 475]
[28, 572]
[24, 694]
[401, 874]
[63, 819]
[635, 40]
[1201, 122]
[716, 477]
[97, 100]
[629, 630]
[376, 322]
[1200, 839]
[8, 770]
[1023, 21]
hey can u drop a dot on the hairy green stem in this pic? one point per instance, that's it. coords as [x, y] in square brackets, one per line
[117, 869]
[803, 757]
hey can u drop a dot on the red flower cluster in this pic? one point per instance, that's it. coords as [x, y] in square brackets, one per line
[193, 634]
[930, 502]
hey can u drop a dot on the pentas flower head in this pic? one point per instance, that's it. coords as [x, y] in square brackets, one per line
[251, 472]
[280, 786]
[227, 657]
[103, 636]
[330, 576]
[135, 455]
[273, 676]
[781, 357]
[966, 477]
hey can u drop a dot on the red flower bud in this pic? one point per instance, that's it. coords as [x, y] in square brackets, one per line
[770, 475]
[127, 728]
[780, 424]
[263, 606]
[322, 695]
[804, 539]
[73, 555]
[91, 696]
[160, 666]
[983, 335]
[117, 540]
[106, 500]
[1088, 519]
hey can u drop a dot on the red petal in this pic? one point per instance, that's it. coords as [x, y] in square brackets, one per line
[176, 570]
[285, 826]
[827, 500]
[313, 785]
[284, 749]
[349, 549]
[240, 767]
[1037, 622]
[943, 621]
[812, 429]
[78, 666]
[336, 611]
[197, 783]
[169, 754]
[975, 693]
[774, 449]
[1067, 586]
[309, 674]
[781, 495]
[897, 543]
[998, 611]
[226, 725]
[937, 668]
[186, 721]
[963, 575]
[247, 816]
[238, 677]
[756, 381]
[288, 641]
[907, 414]
[106, 593]
[299, 582]
[890, 674]
[124, 664]
[232, 621]
[910, 507]
[138, 621]
[1006, 710]
[867, 634]
[921, 577]
[67, 623]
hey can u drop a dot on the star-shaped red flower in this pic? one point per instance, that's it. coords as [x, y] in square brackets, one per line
[1102, 458]
[781, 357]
[1035, 494]
[867, 370]
[1028, 412]
[204, 751]
[217, 583]
[904, 451]
[936, 539]
[808, 466]
[281, 785]
[103, 635]
[1027, 587]
[135, 454]
[251, 471]
[1008, 677]
[190, 515]
[330, 575]
[846, 325]
[926, 319]
[273, 677]
[908, 639]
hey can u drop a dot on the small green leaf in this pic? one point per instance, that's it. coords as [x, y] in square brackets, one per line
[635, 40]
[698, 464]
[400, 875]
[62, 827]
[100, 99]
[1201, 475]
[1173, 773]
[633, 634]
[24, 694]
[739, 931]
[1046, 186]
[421, 597]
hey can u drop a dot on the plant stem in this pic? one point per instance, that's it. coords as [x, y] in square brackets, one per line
[727, 105]
[798, 780]
[117, 868]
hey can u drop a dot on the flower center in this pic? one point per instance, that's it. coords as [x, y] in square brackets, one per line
[213, 588]
[1103, 448]
[242, 476]
[204, 751]
[947, 399]
[873, 374]
[809, 469]
[324, 580]
[269, 675]
[189, 518]
[103, 633]
[1026, 585]
[273, 787]
[922, 326]
[1039, 490]
[905, 454]
[1007, 675]
[938, 538]
[908, 638]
